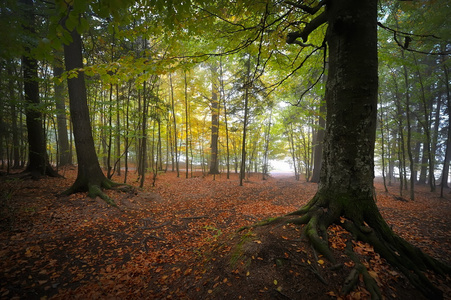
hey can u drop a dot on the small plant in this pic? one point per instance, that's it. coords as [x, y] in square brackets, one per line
[217, 232]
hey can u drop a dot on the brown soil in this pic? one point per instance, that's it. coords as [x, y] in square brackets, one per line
[179, 240]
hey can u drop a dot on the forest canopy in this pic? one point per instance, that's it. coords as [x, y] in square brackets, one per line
[199, 60]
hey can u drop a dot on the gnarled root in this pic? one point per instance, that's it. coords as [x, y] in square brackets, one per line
[353, 276]
[409, 259]
[94, 189]
[370, 228]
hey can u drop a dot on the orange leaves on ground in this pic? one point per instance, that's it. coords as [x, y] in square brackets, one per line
[155, 245]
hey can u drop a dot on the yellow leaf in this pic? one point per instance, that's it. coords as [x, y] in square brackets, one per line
[321, 261]
[373, 274]
[275, 282]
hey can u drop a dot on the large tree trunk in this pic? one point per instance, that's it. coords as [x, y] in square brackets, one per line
[345, 192]
[38, 163]
[90, 177]
[351, 101]
[14, 127]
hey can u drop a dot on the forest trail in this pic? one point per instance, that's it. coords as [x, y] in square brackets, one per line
[174, 239]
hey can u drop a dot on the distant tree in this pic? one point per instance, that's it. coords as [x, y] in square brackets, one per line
[64, 153]
[214, 105]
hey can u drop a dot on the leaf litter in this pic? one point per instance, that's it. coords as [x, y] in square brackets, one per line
[179, 240]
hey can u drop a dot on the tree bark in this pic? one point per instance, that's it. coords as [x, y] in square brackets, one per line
[64, 158]
[214, 123]
[175, 126]
[90, 177]
[246, 103]
[186, 128]
[318, 146]
[14, 127]
[38, 163]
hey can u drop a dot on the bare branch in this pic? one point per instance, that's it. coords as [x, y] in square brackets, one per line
[408, 39]
[306, 8]
[309, 28]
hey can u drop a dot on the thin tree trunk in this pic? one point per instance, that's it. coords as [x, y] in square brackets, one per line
[265, 170]
[143, 146]
[186, 128]
[246, 104]
[445, 171]
[63, 141]
[117, 164]
[382, 126]
[214, 122]
[14, 128]
[221, 82]
[409, 135]
[175, 126]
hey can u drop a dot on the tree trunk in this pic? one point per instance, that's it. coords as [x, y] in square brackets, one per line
[175, 127]
[14, 128]
[63, 140]
[409, 134]
[445, 171]
[214, 123]
[318, 146]
[345, 192]
[117, 164]
[90, 177]
[38, 163]
[221, 83]
[246, 104]
[186, 128]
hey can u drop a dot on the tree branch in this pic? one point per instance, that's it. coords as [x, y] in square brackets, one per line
[408, 39]
[306, 8]
[309, 28]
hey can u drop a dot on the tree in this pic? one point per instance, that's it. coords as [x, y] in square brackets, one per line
[64, 154]
[345, 193]
[38, 163]
[215, 104]
[90, 177]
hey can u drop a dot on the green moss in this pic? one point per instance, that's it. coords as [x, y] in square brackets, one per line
[238, 252]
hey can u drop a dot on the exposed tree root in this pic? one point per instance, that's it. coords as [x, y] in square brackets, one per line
[353, 277]
[95, 189]
[370, 228]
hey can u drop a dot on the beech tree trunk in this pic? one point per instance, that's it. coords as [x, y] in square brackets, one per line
[345, 194]
[318, 145]
[351, 101]
[64, 155]
[38, 163]
[214, 122]
[90, 177]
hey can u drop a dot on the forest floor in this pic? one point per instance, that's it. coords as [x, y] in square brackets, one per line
[179, 240]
